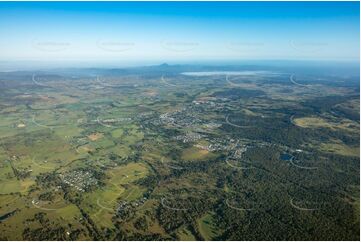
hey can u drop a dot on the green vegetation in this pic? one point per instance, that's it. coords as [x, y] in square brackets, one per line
[140, 157]
[208, 227]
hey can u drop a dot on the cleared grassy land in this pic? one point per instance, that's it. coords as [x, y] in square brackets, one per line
[317, 122]
[208, 227]
[341, 149]
[10, 186]
[102, 203]
[195, 153]
[350, 106]
[117, 133]
[186, 235]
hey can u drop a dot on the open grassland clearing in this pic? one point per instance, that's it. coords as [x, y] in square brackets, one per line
[195, 153]
[132, 135]
[185, 235]
[319, 122]
[9, 183]
[26, 215]
[351, 105]
[50, 99]
[13, 124]
[117, 133]
[102, 203]
[208, 227]
[340, 148]
[67, 132]
[9, 186]
[49, 149]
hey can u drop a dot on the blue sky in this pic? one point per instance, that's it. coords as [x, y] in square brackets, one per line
[178, 31]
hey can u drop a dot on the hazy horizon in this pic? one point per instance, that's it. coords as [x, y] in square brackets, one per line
[157, 32]
[6, 66]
